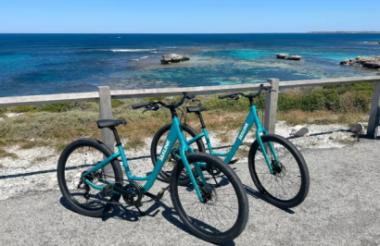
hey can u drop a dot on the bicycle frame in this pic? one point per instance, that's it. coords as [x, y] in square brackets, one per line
[174, 134]
[251, 119]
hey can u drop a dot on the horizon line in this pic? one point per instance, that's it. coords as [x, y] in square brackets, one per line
[308, 32]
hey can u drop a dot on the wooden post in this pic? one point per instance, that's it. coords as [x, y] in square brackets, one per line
[105, 110]
[374, 114]
[271, 106]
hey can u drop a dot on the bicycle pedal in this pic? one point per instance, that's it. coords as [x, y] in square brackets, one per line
[107, 190]
[234, 161]
[160, 194]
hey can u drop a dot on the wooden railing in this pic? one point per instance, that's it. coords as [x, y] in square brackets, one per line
[104, 95]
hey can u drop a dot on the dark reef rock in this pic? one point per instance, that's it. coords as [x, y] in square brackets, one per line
[282, 55]
[372, 62]
[293, 58]
[174, 58]
[288, 57]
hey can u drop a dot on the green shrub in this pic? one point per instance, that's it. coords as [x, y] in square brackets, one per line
[56, 108]
[116, 103]
[24, 109]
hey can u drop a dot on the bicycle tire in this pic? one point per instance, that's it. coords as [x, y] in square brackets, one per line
[104, 152]
[208, 232]
[164, 174]
[254, 162]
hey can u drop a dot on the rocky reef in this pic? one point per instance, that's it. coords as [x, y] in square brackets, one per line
[363, 61]
[288, 57]
[174, 58]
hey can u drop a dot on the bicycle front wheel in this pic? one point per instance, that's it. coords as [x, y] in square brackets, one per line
[158, 143]
[288, 185]
[77, 158]
[223, 214]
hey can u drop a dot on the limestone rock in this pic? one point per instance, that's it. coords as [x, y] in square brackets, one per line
[293, 58]
[174, 58]
[299, 131]
[358, 128]
[281, 56]
[372, 62]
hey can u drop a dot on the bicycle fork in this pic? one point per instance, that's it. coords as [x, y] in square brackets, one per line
[264, 149]
[191, 175]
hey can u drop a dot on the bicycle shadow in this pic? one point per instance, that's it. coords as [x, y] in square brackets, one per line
[124, 212]
[260, 196]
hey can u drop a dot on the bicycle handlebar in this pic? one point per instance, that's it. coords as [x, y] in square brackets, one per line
[141, 105]
[234, 95]
[152, 105]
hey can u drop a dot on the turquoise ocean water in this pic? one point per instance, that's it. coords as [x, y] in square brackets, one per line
[61, 63]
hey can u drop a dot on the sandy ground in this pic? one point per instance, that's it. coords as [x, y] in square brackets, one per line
[342, 208]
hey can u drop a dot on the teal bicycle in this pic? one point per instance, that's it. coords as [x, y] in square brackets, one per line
[213, 206]
[276, 166]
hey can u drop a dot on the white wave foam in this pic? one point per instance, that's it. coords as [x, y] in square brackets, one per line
[144, 57]
[131, 50]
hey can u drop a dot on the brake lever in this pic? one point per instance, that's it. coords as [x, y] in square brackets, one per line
[234, 97]
[146, 110]
[154, 107]
[195, 100]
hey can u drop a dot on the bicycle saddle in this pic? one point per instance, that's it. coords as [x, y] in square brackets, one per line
[109, 123]
[195, 109]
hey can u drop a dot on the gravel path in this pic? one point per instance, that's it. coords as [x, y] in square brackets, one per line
[342, 208]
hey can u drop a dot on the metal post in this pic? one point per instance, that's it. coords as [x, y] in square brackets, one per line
[271, 106]
[105, 110]
[374, 114]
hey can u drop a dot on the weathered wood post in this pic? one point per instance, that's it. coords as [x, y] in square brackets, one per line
[105, 110]
[271, 106]
[374, 114]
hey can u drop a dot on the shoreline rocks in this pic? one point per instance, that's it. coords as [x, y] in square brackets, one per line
[372, 62]
[281, 56]
[174, 58]
[288, 57]
[293, 58]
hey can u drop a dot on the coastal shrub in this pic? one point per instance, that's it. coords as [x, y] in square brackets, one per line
[342, 88]
[116, 103]
[288, 102]
[24, 109]
[56, 108]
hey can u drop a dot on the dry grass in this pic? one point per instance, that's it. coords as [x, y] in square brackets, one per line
[4, 154]
[57, 129]
[294, 117]
[39, 160]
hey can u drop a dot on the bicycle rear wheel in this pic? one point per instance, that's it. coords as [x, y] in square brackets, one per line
[288, 186]
[157, 145]
[223, 214]
[77, 158]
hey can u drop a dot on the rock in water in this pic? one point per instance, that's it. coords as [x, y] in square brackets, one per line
[299, 131]
[363, 61]
[357, 128]
[173, 58]
[281, 56]
[293, 58]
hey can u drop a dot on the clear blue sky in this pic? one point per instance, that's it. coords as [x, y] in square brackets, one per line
[187, 16]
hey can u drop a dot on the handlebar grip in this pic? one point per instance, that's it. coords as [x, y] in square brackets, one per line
[225, 96]
[141, 105]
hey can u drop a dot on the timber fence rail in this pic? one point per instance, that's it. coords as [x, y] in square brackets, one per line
[104, 96]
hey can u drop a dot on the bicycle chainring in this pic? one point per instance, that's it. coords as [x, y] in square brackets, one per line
[132, 194]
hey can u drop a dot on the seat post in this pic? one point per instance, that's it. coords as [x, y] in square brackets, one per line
[201, 120]
[118, 143]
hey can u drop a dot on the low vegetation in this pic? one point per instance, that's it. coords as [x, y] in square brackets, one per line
[58, 124]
